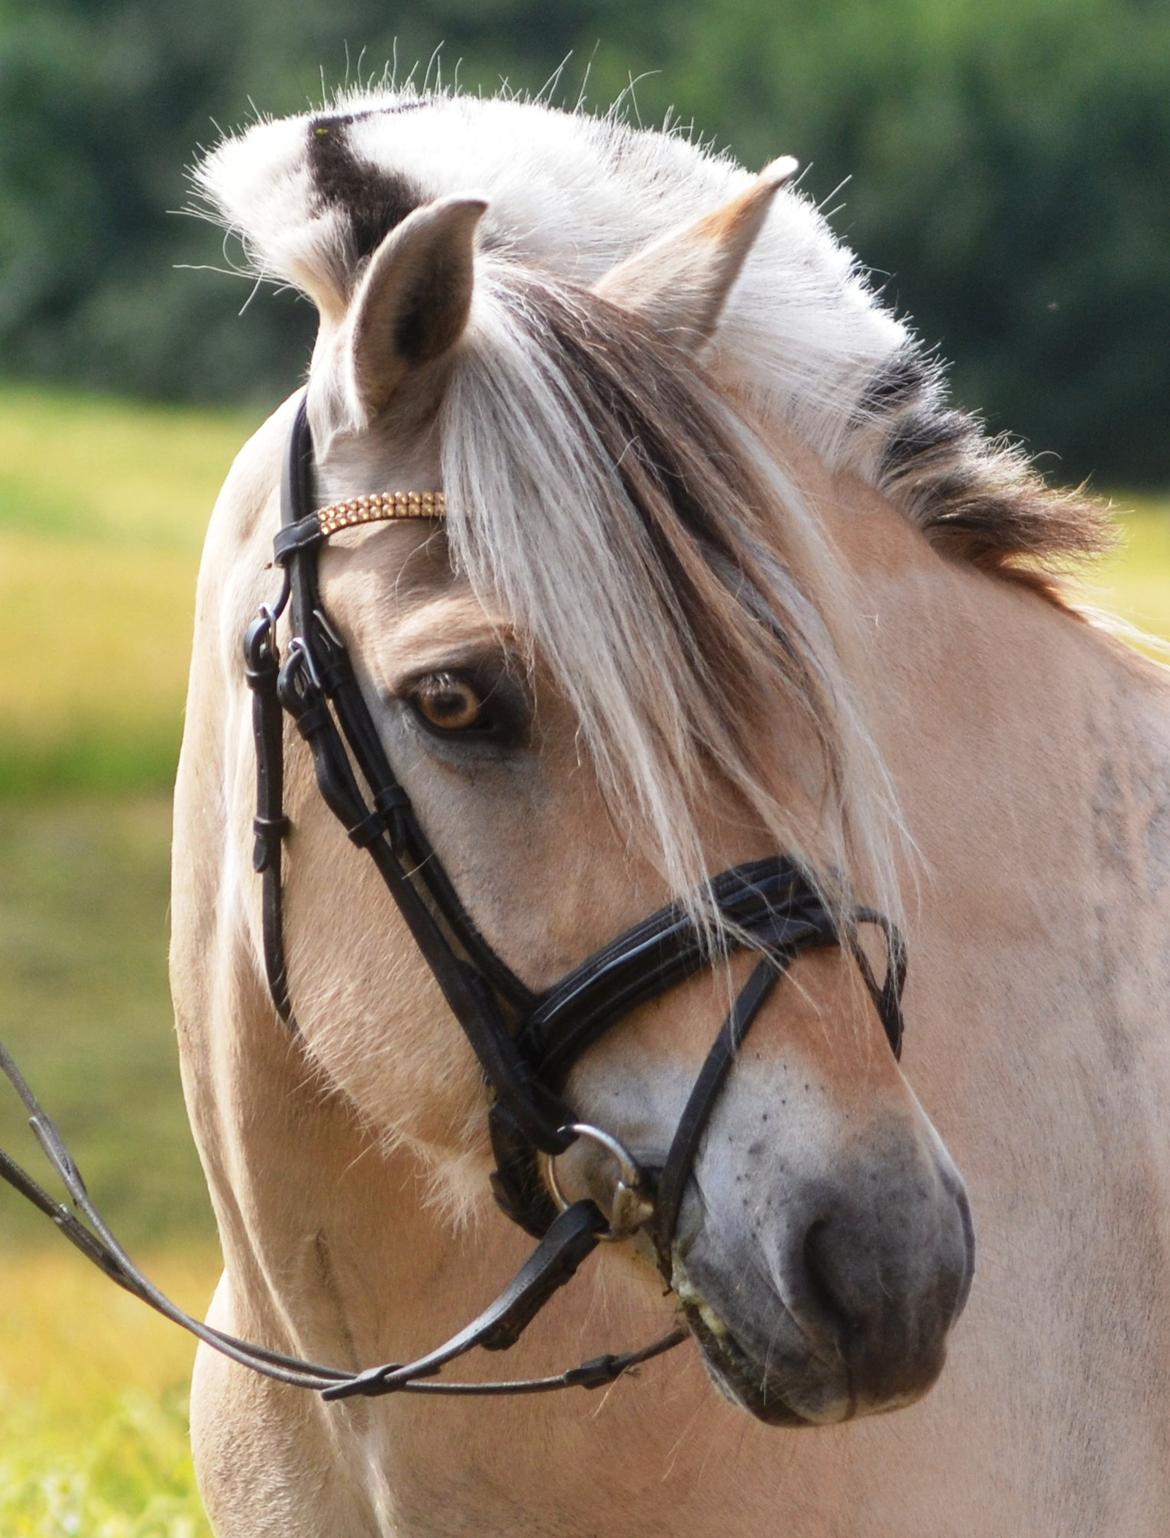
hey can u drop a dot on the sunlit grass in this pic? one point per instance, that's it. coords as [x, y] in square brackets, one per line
[93, 1402]
[98, 469]
[85, 1008]
[103, 506]
[105, 631]
[1135, 583]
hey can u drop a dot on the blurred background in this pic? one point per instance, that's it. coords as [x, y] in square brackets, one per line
[1002, 166]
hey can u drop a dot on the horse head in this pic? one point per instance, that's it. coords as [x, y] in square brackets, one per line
[623, 662]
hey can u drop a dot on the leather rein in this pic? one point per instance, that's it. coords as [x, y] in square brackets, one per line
[526, 1043]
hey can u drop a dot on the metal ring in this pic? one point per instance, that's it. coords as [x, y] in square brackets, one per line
[631, 1206]
[298, 647]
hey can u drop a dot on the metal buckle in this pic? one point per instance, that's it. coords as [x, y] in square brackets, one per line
[298, 648]
[632, 1205]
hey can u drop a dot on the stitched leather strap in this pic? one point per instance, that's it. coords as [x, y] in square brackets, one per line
[770, 900]
[270, 825]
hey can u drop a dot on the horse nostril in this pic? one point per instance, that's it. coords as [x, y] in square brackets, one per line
[827, 1290]
[886, 1296]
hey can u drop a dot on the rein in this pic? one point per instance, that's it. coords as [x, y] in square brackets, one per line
[526, 1043]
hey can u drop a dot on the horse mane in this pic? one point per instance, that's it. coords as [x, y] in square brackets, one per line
[684, 596]
[804, 336]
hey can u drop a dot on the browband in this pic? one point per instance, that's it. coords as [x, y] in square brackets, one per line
[306, 532]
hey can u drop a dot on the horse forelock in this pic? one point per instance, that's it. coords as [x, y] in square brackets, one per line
[569, 194]
[603, 495]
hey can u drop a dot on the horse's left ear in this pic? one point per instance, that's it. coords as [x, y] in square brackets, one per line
[680, 282]
[413, 301]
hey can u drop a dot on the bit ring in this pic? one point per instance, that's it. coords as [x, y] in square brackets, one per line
[631, 1206]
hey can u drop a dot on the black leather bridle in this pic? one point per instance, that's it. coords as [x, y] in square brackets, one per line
[526, 1043]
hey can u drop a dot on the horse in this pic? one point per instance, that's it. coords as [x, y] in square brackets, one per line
[721, 576]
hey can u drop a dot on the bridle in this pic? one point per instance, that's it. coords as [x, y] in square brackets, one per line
[526, 1043]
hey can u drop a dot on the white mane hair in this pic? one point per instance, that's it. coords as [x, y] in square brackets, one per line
[569, 194]
[695, 606]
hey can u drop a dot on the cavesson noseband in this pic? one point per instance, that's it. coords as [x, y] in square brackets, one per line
[526, 1043]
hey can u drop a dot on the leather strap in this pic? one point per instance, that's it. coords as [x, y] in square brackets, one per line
[572, 1236]
[302, 534]
[570, 1240]
[684, 1147]
[468, 997]
[270, 826]
[769, 900]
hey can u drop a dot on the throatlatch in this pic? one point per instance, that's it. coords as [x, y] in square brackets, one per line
[526, 1043]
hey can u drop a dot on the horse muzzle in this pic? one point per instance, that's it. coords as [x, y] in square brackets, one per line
[831, 1300]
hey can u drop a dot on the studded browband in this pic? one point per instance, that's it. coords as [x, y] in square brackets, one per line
[353, 512]
[380, 506]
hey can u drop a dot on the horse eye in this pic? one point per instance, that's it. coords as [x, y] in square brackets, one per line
[449, 703]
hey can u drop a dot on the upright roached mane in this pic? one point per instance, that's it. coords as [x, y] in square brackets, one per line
[601, 490]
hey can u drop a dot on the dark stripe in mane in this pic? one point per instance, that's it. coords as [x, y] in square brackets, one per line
[896, 383]
[975, 496]
[373, 200]
[920, 433]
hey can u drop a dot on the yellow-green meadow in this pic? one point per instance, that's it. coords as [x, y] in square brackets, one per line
[93, 1401]
[102, 510]
[103, 505]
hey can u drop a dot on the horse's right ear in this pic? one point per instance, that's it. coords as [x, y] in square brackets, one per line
[413, 300]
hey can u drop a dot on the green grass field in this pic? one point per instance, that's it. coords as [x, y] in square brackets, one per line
[93, 1401]
[102, 510]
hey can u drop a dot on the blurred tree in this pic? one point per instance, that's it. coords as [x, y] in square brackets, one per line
[1009, 174]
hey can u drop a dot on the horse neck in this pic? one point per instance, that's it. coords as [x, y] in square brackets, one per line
[1031, 756]
[1006, 719]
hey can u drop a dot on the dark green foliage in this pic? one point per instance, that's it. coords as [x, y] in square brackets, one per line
[1009, 172]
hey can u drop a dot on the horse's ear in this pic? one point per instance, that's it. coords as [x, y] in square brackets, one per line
[413, 300]
[681, 281]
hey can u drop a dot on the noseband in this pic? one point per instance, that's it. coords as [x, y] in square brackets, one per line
[526, 1043]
